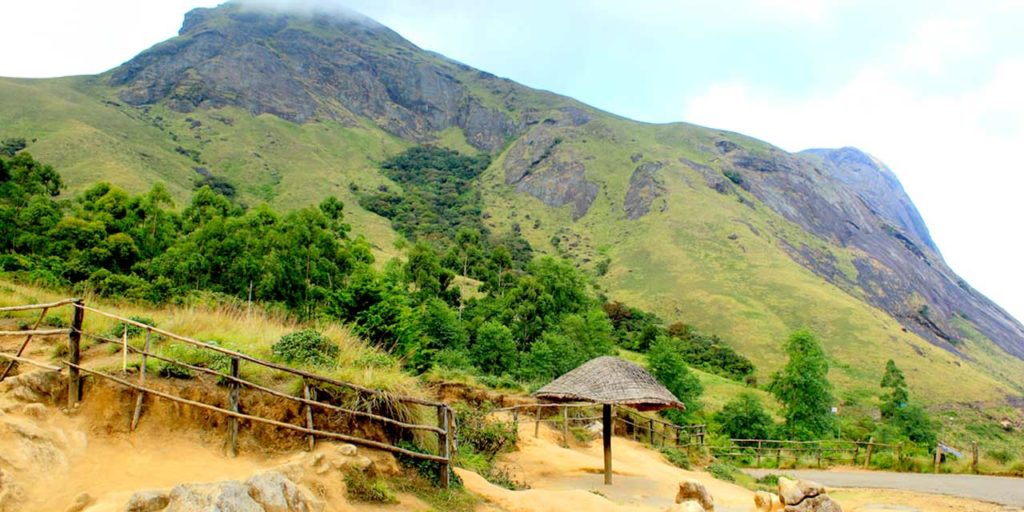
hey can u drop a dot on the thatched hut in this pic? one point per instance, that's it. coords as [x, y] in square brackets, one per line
[610, 381]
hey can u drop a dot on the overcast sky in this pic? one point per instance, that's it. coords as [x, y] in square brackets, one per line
[935, 89]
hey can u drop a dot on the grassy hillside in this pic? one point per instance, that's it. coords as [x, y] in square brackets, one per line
[701, 257]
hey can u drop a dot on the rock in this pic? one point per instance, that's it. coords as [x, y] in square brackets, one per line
[792, 492]
[81, 502]
[275, 493]
[222, 496]
[692, 490]
[763, 501]
[33, 387]
[348, 450]
[148, 501]
[819, 503]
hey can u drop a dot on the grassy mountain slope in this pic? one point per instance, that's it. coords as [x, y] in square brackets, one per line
[728, 253]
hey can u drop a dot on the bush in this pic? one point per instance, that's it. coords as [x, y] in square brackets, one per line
[487, 437]
[676, 457]
[744, 417]
[361, 487]
[133, 330]
[307, 347]
[1002, 456]
[723, 471]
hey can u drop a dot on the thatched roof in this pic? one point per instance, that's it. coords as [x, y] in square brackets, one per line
[610, 380]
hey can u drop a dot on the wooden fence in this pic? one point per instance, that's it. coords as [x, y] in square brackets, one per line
[444, 429]
[757, 451]
[642, 428]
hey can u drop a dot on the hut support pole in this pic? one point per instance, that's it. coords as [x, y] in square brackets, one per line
[607, 435]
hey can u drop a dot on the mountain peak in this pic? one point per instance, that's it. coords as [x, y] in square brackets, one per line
[311, 65]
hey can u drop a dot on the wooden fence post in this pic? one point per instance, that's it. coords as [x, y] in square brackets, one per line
[443, 446]
[679, 433]
[778, 458]
[75, 355]
[307, 394]
[142, 381]
[938, 457]
[899, 456]
[233, 396]
[856, 452]
[650, 427]
[974, 457]
[819, 454]
[536, 426]
[871, 448]
[758, 453]
[565, 425]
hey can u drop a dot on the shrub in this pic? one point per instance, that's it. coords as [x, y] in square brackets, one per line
[361, 487]
[487, 437]
[1002, 456]
[723, 471]
[676, 457]
[133, 330]
[744, 418]
[307, 347]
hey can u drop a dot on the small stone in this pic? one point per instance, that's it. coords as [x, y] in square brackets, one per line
[148, 501]
[347, 450]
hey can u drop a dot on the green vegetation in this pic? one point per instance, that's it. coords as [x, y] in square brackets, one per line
[364, 488]
[744, 418]
[803, 388]
[667, 365]
[306, 346]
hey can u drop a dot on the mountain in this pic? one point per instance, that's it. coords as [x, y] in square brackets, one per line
[711, 228]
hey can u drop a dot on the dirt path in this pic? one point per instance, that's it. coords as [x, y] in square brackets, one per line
[1006, 491]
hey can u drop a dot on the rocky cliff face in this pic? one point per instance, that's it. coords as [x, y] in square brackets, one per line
[850, 199]
[307, 67]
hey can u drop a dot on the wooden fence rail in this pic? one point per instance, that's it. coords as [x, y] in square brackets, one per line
[823, 450]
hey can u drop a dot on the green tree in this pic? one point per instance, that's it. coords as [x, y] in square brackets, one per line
[667, 365]
[803, 388]
[494, 350]
[898, 396]
[744, 417]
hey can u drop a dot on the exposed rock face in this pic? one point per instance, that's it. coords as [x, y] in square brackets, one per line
[847, 197]
[535, 165]
[301, 68]
[644, 188]
[265, 492]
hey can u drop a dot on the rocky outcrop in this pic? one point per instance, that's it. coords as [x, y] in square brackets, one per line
[846, 197]
[305, 67]
[644, 188]
[692, 491]
[534, 165]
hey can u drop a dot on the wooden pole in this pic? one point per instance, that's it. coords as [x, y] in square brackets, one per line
[974, 457]
[778, 458]
[124, 349]
[606, 435]
[442, 447]
[871, 448]
[899, 456]
[938, 457]
[679, 434]
[565, 425]
[758, 453]
[75, 356]
[856, 452]
[142, 381]
[819, 454]
[536, 426]
[233, 402]
[311, 439]
[650, 427]
[24, 344]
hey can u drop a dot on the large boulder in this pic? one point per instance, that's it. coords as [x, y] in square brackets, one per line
[148, 501]
[805, 496]
[687, 506]
[275, 493]
[692, 490]
[216, 497]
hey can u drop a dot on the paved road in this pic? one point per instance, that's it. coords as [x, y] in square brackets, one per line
[995, 489]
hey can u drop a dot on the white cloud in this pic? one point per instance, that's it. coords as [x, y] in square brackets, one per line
[956, 154]
[939, 42]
